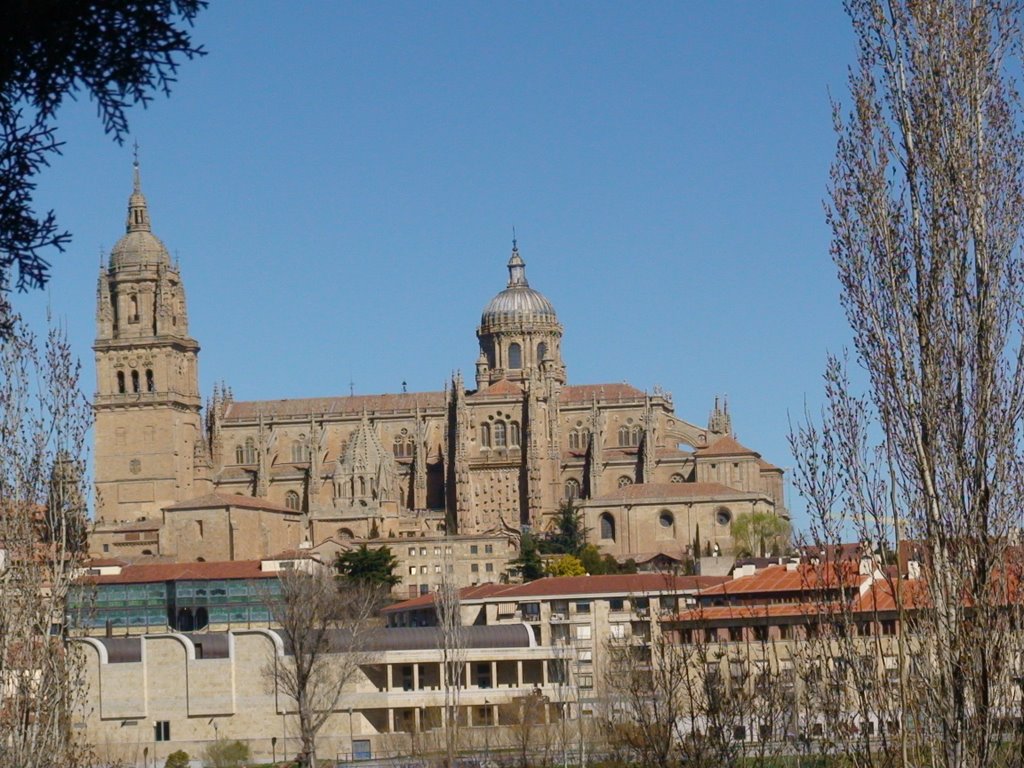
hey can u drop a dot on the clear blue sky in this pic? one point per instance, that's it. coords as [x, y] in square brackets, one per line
[340, 182]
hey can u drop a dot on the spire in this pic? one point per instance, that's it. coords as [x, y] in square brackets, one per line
[138, 213]
[516, 266]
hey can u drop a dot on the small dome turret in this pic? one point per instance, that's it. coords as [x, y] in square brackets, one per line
[518, 302]
[139, 246]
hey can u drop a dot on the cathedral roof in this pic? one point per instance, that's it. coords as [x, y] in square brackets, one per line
[585, 393]
[502, 387]
[139, 246]
[325, 406]
[220, 500]
[518, 302]
[726, 446]
[668, 491]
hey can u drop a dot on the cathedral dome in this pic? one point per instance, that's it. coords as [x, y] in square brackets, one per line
[518, 302]
[139, 246]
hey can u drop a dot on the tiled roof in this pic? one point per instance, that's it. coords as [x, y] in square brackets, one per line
[645, 491]
[781, 579]
[726, 446]
[147, 574]
[326, 406]
[217, 500]
[585, 393]
[767, 465]
[502, 387]
[751, 612]
[573, 586]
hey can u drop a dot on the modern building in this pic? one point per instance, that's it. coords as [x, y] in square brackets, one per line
[157, 693]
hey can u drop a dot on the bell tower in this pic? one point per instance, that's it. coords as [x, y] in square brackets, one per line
[147, 384]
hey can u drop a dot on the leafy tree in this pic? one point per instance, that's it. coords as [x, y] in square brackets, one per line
[528, 564]
[757, 533]
[226, 754]
[177, 759]
[569, 536]
[119, 53]
[369, 566]
[566, 565]
[597, 564]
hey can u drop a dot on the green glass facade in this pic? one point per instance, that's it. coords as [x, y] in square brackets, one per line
[182, 605]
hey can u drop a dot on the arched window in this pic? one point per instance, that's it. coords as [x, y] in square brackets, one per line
[150, 383]
[624, 436]
[677, 478]
[607, 526]
[499, 434]
[410, 445]
[542, 349]
[515, 356]
[637, 434]
[574, 440]
[300, 450]
[120, 382]
[345, 534]
[485, 435]
[513, 434]
[133, 309]
[239, 455]
[362, 486]
[250, 451]
[291, 500]
[624, 481]
[135, 381]
[572, 488]
[398, 446]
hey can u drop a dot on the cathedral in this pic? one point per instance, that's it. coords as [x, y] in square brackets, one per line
[238, 479]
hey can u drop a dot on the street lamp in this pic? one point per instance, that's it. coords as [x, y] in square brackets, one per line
[273, 749]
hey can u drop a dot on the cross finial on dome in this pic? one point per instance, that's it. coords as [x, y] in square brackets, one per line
[138, 212]
[516, 265]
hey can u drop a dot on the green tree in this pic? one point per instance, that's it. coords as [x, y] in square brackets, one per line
[569, 536]
[566, 565]
[597, 564]
[369, 566]
[178, 759]
[225, 754]
[758, 533]
[119, 53]
[528, 564]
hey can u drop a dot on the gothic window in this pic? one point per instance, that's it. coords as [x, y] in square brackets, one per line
[499, 434]
[239, 455]
[513, 434]
[485, 435]
[250, 451]
[574, 440]
[542, 349]
[362, 486]
[120, 382]
[398, 447]
[624, 436]
[300, 450]
[291, 500]
[636, 435]
[410, 446]
[135, 381]
[607, 526]
[515, 356]
[150, 383]
[572, 488]
[624, 481]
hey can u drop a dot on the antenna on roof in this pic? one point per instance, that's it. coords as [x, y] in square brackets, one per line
[351, 388]
[515, 246]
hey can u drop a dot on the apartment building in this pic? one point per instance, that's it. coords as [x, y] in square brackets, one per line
[580, 613]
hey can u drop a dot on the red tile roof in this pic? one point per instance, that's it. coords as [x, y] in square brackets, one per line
[726, 446]
[780, 579]
[218, 500]
[586, 393]
[668, 491]
[502, 387]
[326, 406]
[149, 573]
[572, 586]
